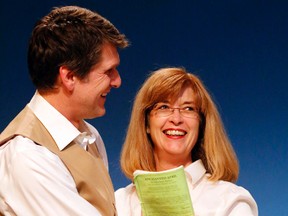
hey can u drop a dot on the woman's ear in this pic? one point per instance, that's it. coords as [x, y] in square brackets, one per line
[147, 130]
[147, 124]
[67, 78]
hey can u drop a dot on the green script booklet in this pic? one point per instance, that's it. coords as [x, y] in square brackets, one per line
[163, 193]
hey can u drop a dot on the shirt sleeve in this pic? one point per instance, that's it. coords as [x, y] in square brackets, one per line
[240, 202]
[244, 208]
[34, 181]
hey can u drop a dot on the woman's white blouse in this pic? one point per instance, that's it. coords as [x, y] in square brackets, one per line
[220, 198]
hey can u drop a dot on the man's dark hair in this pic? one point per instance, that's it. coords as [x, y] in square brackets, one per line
[69, 36]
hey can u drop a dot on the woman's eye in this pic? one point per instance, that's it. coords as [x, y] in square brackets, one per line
[163, 107]
[189, 109]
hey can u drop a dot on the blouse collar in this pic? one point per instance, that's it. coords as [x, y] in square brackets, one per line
[195, 171]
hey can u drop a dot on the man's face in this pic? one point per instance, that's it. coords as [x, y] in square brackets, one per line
[90, 93]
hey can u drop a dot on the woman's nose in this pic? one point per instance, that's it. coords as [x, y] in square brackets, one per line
[176, 117]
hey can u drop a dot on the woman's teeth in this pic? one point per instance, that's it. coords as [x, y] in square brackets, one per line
[174, 132]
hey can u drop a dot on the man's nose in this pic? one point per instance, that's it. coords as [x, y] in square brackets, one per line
[115, 79]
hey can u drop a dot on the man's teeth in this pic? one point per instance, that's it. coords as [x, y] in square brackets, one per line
[175, 133]
[104, 94]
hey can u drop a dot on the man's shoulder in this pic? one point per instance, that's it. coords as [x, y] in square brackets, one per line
[23, 120]
[22, 148]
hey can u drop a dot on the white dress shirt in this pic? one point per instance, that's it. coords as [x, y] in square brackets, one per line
[34, 181]
[220, 198]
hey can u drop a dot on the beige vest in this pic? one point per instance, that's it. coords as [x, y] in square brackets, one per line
[89, 172]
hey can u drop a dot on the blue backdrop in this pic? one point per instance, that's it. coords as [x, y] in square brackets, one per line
[238, 48]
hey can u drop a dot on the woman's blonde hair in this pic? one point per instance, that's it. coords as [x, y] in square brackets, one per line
[213, 146]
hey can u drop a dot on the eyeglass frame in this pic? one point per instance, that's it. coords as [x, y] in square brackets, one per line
[156, 108]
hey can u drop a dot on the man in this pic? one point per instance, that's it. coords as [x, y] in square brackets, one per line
[52, 162]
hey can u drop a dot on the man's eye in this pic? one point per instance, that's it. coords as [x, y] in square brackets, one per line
[108, 72]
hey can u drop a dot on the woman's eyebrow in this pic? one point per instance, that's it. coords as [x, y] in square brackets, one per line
[189, 103]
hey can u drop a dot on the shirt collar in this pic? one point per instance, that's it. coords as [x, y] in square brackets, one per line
[53, 121]
[83, 139]
[195, 171]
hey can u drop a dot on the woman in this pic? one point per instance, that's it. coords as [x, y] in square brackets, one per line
[175, 122]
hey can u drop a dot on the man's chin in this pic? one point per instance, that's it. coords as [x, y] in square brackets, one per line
[97, 114]
[101, 113]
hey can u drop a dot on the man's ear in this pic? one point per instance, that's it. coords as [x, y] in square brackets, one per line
[67, 78]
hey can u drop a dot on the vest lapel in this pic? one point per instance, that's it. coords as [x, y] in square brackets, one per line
[89, 172]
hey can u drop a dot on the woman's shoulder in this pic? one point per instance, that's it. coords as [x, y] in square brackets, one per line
[125, 191]
[225, 187]
[229, 187]
[127, 202]
[229, 196]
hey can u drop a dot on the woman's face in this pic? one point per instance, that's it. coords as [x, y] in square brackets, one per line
[175, 132]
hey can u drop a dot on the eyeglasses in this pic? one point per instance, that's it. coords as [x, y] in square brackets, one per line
[163, 110]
